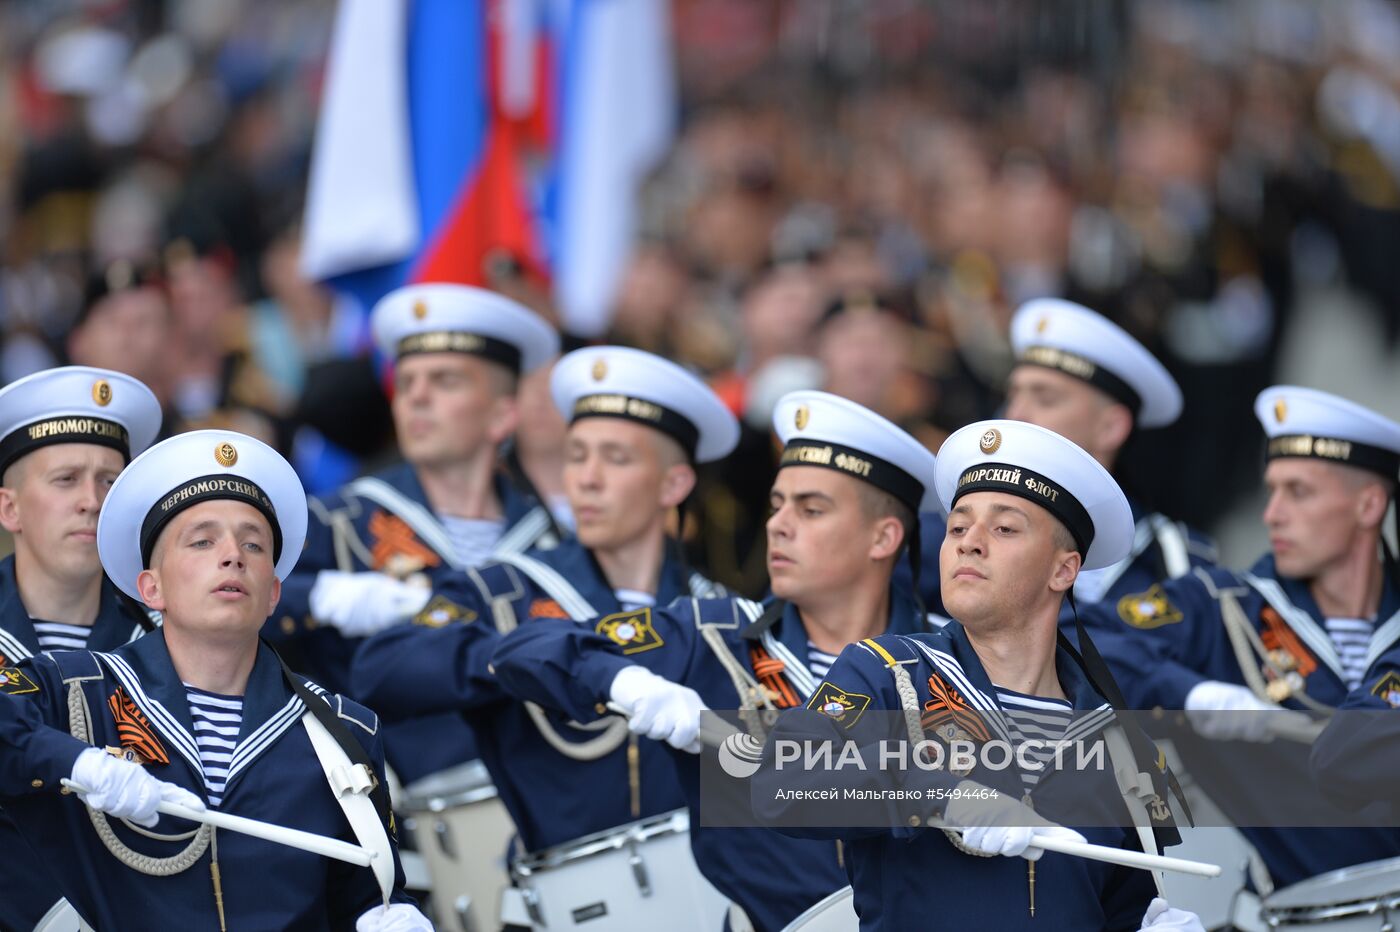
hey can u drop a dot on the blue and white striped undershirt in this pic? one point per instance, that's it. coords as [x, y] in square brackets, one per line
[818, 660]
[473, 539]
[217, 720]
[633, 599]
[1352, 638]
[1034, 718]
[53, 635]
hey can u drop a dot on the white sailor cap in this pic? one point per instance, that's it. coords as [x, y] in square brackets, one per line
[1072, 339]
[185, 470]
[1304, 422]
[446, 318]
[76, 404]
[821, 429]
[1042, 467]
[616, 381]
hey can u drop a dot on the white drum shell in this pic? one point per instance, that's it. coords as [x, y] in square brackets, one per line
[637, 876]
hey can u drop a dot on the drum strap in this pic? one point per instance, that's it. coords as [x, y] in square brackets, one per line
[1171, 542]
[350, 773]
[1136, 788]
[353, 785]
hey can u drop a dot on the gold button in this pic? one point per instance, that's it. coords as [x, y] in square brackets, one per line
[915, 821]
[310, 622]
[65, 791]
[289, 624]
[491, 669]
[1157, 712]
[37, 784]
[601, 708]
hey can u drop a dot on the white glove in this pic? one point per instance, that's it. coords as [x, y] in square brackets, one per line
[1236, 705]
[1002, 825]
[396, 917]
[361, 604]
[1161, 917]
[124, 789]
[658, 708]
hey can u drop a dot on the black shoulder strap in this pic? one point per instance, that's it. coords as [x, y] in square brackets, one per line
[770, 616]
[318, 707]
[1101, 678]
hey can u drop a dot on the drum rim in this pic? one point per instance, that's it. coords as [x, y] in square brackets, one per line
[433, 798]
[1386, 899]
[667, 823]
[820, 906]
[1293, 914]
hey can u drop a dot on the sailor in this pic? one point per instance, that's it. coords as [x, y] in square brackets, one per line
[372, 546]
[844, 503]
[202, 527]
[638, 425]
[65, 434]
[1299, 630]
[1026, 510]
[1354, 759]
[1082, 376]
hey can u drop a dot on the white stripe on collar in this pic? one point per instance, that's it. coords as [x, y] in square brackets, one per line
[260, 740]
[796, 670]
[952, 670]
[12, 648]
[423, 522]
[1090, 723]
[1383, 639]
[523, 534]
[553, 583]
[1317, 639]
[159, 716]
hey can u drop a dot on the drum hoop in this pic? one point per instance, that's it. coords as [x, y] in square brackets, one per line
[1387, 898]
[821, 906]
[671, 823]
[446, 801]
[1364, 907]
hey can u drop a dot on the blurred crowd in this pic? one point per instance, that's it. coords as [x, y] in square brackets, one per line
[860, 195]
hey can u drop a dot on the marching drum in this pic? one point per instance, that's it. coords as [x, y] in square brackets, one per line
[1363, 898]
[637, 876]
[462, 830]
[835, 913]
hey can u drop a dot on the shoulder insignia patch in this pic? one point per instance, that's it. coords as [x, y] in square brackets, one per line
[139, 742]
[547, 608]
[14, 682]
[442, 611]
[1388, 689]
[1150, 609]
[632, 631]
[833, 701]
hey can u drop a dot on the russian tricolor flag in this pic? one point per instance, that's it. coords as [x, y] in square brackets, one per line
[453, 128]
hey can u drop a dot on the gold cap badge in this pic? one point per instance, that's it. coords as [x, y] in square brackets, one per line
[801, 417]
[225, 454]
[1041, 324]
[600, 370]
[102, 392]
[990, 441]
[420, 309]
[1280, 410]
